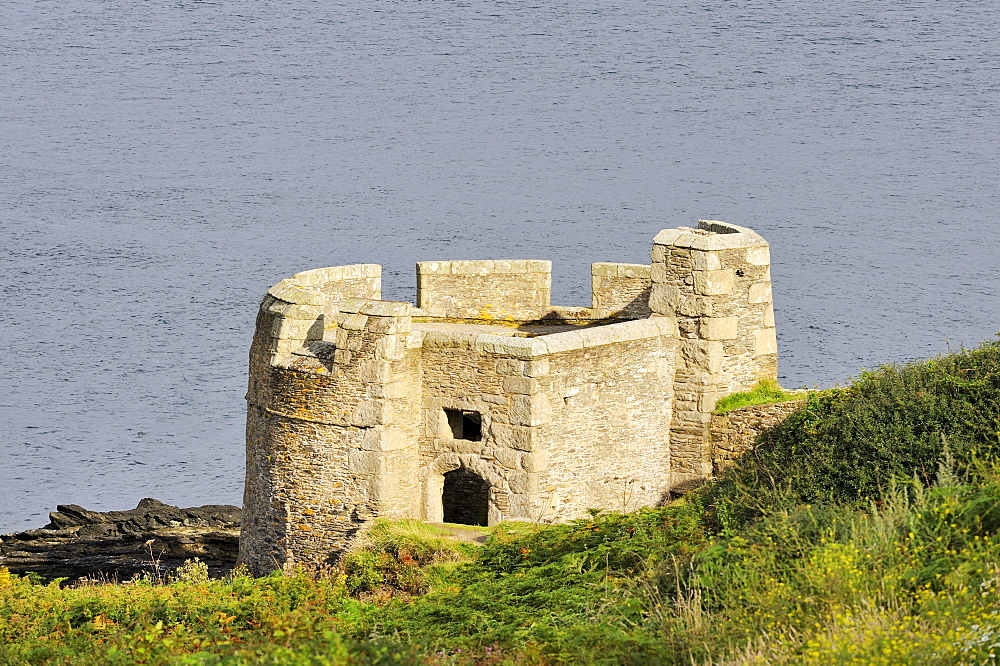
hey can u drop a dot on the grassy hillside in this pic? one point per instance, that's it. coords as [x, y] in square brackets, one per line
[862, 530]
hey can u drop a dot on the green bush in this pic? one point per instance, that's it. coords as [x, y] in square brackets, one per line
[850, 445]
[913, 578]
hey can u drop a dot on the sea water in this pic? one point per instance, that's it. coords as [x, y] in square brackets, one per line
[163, 163]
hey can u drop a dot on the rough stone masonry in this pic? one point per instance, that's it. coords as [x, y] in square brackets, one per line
[483, 402]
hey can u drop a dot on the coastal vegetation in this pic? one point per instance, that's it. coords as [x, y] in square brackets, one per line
[863, 529]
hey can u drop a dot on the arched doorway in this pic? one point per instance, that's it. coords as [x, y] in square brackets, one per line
[465, 498]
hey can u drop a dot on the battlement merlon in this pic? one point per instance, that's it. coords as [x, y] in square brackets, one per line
[517, 289]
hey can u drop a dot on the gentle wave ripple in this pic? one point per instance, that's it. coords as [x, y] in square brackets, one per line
[162, 164]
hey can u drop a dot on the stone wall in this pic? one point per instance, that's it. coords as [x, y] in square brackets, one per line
[621, 290]
[490, 289]
[462, 372]
[735, 432]
[606, 441]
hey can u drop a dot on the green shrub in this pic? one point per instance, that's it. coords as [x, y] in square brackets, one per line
[912, 578]
[849, 445]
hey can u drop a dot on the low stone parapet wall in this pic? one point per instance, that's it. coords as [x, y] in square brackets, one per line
[734, 432]
[484, 289]
[621, 290]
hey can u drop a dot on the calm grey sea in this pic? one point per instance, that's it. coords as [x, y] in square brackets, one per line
[163, 163]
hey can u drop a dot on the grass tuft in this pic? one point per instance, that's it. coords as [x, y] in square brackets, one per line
[765, 392]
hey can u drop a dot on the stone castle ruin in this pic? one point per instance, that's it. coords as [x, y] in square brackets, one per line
[484, 402]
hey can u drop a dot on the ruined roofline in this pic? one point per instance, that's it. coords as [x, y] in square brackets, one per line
[491, 289]
[552, 343]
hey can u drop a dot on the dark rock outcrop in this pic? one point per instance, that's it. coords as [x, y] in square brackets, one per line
[118, 545]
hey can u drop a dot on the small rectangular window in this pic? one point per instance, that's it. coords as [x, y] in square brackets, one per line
[465, 424]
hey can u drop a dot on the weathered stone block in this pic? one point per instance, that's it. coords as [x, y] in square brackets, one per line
[386, 309]
[707, 400]
[696, 306]
[538, 266]
[434, 267]
[523, 385]
[524, 483]
[536, 367]
[391, 348]
[634, 271]
[562, 342]
[719, 328]
[510, 346]
[759, 256]
[714, 283]
[365, 462]
[508, 457]
[664, 299]
[375, 371]
[293, 328]
[603, 269]
[536, 461]
[472, 267]
[286, 346]
[666, 325]
[703, 355]
[766, 342]
[599, 336]
[389, 325]
[415, 340]
[353, 322]
[760, 292]
[530, 410]
[769, 315]
[679, 237]
[508, 366]
[694, 418]
[340, 338]
[291, 293]
[351, 305]
[510, 266]
[371, 412]
[449, 340]
[296, 311]
[513, 436]
[705, 261]
[380, 438]
[394, 391]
